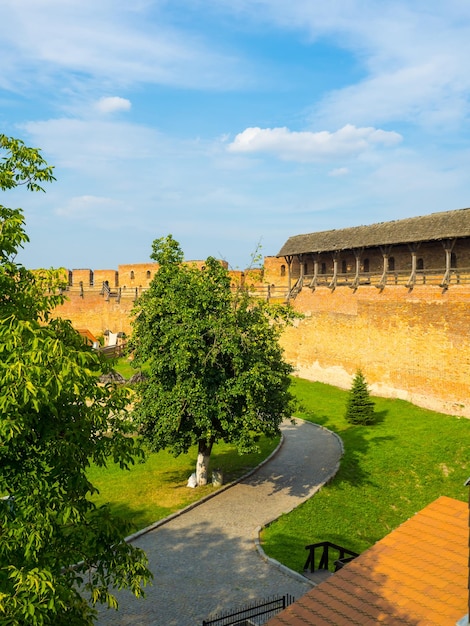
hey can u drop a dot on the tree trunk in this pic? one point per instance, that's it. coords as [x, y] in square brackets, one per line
[202, 464]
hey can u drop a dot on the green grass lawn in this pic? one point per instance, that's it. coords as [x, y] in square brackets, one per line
[152, 490]
[389, 471]
[124, 366]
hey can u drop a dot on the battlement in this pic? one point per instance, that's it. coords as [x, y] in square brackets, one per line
[139, 275]
[392, 299]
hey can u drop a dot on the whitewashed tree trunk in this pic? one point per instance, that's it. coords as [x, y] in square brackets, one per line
[202, 464]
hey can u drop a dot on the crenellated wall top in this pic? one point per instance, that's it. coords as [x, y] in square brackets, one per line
[134, 275]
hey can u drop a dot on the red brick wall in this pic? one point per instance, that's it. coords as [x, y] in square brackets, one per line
[275, 271]
[95, 313]
[414, 345]
[84, 276]
[101, 276]
[136, 274]
[409, 344]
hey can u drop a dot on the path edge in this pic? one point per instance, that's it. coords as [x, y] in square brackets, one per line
[193, 505]
[257, 536]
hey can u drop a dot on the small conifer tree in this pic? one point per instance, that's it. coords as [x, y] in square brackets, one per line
[360, 408]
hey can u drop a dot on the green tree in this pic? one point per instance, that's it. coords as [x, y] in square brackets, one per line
[216, 370]
[59, 554]
[359, 408]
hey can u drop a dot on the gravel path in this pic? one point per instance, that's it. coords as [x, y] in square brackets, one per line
[206, 561]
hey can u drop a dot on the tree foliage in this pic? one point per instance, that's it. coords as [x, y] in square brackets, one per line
[359, 408]
[216, 370]
[59, 554]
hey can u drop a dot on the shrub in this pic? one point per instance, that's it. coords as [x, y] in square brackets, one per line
[360, 408]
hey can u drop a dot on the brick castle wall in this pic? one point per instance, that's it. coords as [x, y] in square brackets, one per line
[97, 314]
[88, 307]
[413, 345]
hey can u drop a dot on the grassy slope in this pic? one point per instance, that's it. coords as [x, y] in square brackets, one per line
[389, 471]
[124, 366]
[152, 490]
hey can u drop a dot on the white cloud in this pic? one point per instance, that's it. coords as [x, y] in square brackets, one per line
[339, 171]
[413, 56]
[106, 41]
[85, 207]
[374, 67]
[309, 146]
[112, 104]
[429, 93]
[90, 145]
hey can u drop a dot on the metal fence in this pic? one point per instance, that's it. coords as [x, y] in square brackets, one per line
[257, 613]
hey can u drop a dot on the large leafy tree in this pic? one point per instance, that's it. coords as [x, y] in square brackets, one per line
[215, 367]
[59, 553]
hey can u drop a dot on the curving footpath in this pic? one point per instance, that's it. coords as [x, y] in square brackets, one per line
[206, 561]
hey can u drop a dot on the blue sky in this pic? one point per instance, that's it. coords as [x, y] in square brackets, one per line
[232, 124]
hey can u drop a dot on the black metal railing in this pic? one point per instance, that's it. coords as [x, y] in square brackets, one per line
[321, 556]
[257, 613]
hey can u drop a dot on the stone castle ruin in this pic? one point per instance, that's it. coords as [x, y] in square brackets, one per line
[392, 299]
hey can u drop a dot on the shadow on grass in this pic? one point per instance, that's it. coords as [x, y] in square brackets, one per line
[357, 441]
[136, 517]
[233, 466]
[356, 448]
[379, 417]
[177, 477]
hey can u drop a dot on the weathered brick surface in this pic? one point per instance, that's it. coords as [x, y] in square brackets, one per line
[136, 274]
[275, 271]
[414, 345]
[410, 344]
[109, 276]
[95, 313]
[84, 276]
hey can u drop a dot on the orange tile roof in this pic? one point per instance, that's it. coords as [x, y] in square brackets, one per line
[415, 576]
[86, 334]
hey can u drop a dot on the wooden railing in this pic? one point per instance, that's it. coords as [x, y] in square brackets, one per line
[113, 351]
[439, 278]
[327, 560]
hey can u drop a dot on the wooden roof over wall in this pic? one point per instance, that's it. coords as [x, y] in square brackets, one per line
[433, 227]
